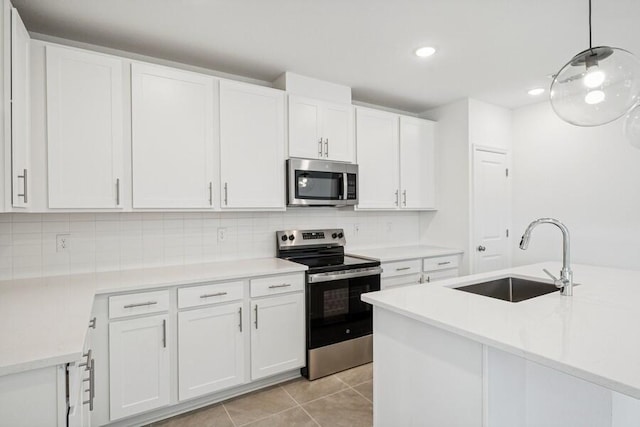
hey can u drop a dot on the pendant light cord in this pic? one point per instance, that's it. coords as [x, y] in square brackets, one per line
[590, 44]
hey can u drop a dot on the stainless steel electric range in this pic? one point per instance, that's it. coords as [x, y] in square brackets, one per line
[338, 324]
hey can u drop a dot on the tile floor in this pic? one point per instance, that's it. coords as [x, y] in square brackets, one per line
[343, 399]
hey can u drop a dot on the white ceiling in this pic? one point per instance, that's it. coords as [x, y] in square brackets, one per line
[492, 50]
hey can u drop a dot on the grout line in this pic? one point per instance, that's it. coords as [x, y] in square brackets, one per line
[301, 407]
[366, 398]
[228, 414]
[275, 413]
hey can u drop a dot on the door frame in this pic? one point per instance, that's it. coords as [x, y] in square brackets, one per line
[475, 148]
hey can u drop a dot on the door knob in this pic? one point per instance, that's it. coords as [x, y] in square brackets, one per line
[481, 248]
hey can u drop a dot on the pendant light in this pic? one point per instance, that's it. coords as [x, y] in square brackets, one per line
[598, 85]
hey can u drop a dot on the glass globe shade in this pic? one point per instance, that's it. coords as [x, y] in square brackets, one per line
[632, 126]
[597, 86]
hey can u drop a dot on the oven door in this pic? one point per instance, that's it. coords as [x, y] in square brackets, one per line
[335, 312]
[315, 182]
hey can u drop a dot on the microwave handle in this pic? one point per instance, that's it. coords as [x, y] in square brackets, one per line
[345, 187]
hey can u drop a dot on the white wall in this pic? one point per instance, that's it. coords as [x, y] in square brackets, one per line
[589, 178]
[449, 226]
[119, 241]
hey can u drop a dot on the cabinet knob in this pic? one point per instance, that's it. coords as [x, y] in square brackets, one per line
[481, 248]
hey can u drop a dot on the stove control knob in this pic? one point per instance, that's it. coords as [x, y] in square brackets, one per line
[284, 238]
[340, 235]
[334, 235]
[291, 237]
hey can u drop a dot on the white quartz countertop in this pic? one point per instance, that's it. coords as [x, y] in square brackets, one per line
[399, 253]
[593, 335]
[43, 321]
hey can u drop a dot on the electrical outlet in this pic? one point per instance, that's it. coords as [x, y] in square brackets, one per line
[63, 241]
[389, 227]
[356, 229]
[222, 234]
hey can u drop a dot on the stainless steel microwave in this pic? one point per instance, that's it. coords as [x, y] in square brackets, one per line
[321, 183]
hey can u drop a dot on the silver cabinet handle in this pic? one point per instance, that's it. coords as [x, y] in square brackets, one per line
[141, 304]
[397, 198]
[284, 285]
[481, 248]
[117, 191]
[320, 154]
[226, 194]
[428, 279]
[326, 147]
[164, 333]
[210, 193]
[256, 310]
[240, 316]
[403, 268]
[404, 198]
[444, 263]
[24, 195]
[217, 294]
[87, 364]
[92, 323]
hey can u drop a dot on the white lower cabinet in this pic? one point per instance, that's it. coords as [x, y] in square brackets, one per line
[139, 368]
[210, 350]
[277, 334]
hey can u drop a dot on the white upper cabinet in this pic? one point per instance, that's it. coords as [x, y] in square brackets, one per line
[396, 160]
[320, 130]
[172, 138]
[417, 163]
[377, 139]
[84, 129]
[252, 147]
[20, 123]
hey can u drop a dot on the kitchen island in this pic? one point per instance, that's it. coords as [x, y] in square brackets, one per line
[444, 357]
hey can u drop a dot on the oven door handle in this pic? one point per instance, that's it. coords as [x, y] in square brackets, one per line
[327, 277]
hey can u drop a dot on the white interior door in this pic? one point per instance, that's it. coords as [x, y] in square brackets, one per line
[490, 210]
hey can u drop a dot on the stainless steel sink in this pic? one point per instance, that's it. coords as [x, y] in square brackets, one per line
[510, 289]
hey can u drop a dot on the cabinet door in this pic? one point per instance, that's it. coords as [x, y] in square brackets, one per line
[252, 149]
[84, 129]
[20, 143]
[417, 163]
[204, 365]
[139, 368]
[304, 128]
[377, 146]
[337, 131]
[172, 125]
[277, 335]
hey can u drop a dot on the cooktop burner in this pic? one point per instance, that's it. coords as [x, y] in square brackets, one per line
[320, 250]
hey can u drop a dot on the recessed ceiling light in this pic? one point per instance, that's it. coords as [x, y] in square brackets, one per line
[425, 51]
[537, 91]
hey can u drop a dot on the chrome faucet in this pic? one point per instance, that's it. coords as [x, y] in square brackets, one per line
[565, 282]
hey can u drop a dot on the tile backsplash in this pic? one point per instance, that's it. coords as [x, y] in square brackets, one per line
[121, 241]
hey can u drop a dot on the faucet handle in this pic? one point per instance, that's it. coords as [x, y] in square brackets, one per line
[556, 281]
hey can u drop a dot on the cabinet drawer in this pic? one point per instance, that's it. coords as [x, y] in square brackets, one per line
[195, 296]
[441, 263]
[401, 268]
[135, 304]
[392, 282]
[277, 285]
[432, 276]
